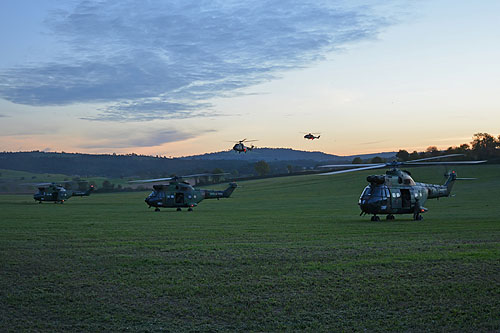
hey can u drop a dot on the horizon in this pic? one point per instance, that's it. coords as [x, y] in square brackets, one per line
[182, 78]
[173, 157]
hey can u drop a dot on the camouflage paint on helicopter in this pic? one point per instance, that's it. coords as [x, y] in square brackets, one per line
[180, 194]
[396, 192]
[56, 193]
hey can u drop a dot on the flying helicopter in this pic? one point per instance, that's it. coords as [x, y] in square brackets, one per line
[180, 194]
[57, 193]
[310, 136]
[241, 148]
[396, 192]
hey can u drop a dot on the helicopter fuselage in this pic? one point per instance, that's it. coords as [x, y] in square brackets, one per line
[241, 148]
[183, 195]
[58, 194]
[311, 136]
[55, 194]
[397, 193]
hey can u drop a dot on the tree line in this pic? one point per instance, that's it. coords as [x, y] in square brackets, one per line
[483, 146]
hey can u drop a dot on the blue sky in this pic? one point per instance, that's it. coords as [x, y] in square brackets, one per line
[183, 77]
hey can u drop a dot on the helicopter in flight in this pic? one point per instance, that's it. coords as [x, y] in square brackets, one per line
[310, 136]
[396, 192]
[180, 194]
[241, 148]
[57, 193]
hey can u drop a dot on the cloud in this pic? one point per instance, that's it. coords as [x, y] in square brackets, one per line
[148, 138]
[164, 59]
[3, 116]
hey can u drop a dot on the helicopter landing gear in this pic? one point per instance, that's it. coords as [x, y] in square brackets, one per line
[390, 217]
[179, 209]
[375, 218]
[418, 217]
[190, 209]
[157, 209]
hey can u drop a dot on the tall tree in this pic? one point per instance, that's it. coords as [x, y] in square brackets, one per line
[262, 168]
[357, 160]
[484, 145]
[403, 155]
[377, 159]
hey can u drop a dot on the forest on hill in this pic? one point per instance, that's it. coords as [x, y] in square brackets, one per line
[263, 161]
[132, 165]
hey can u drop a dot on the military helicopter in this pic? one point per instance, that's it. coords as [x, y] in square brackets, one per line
[56, 192]
[310, 136]
[180, 194]
[241, 148]
[396, 192]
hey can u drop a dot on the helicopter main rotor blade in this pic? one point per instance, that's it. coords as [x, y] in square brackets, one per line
[204, 175]
[47, 184]
[150, 180]
[377, 166]
[178, 177]
[443, 163]
[435, 157]
[346, 165]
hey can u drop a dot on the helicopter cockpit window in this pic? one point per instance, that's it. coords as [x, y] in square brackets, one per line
[380, 191]
[152, 194]
[367, 191]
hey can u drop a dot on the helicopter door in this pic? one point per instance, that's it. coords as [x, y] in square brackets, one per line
[54, 195]
[179, 198]
[395, 199]
[406, 198]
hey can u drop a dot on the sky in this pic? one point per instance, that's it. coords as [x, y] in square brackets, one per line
[185, 77]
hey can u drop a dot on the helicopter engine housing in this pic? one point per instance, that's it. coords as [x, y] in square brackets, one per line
[376, 179]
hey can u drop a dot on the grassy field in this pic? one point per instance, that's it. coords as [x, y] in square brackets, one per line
[284, 254]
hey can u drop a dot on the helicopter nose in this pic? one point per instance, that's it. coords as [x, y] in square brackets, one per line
[370, 206]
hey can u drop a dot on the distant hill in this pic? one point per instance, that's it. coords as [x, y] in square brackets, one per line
[132, 165]
[284, 154]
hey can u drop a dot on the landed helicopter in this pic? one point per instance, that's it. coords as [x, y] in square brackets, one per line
[396, 192]
[241, 148]
[180, 194]
[55, 192]
[310, 136]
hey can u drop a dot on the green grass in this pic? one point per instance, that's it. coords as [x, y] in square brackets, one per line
[283, 254]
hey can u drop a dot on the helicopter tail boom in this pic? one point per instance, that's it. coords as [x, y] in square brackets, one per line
[83, 193]
[209, 194]
[450, 181]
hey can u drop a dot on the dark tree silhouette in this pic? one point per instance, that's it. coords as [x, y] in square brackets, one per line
[262, 168]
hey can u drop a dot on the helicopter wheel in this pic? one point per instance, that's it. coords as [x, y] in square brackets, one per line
[390, 217]
[375, 218]
[157, 209]
[179, 209]
[190, 209]
[418, 217]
